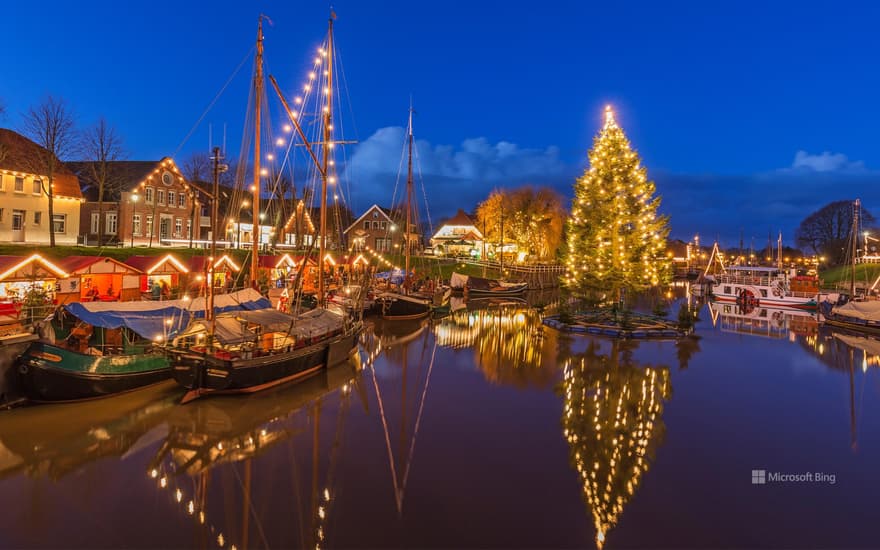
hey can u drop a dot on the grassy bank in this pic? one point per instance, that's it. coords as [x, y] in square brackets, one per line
[865, 275]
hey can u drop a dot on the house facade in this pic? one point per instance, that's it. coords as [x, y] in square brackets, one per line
[24, 205]
[149, 203]
[376, 229]
[458, 236]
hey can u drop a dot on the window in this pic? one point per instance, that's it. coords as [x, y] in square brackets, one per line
[181, 200]
[38, 218]
[59, 223]
[727, 290]
[178, 227]
[1, 182]
[189, 228]
[383, 245]
[19, 184]
[38, 186]
[136, 224]
[95, 223]
[160, 197]
[1, 215]
[383, 225]
[148, 195]
[149, 225]
[171, 199]
[367, 225]
[110, 228]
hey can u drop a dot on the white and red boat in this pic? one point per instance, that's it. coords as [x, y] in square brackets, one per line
[754, 286]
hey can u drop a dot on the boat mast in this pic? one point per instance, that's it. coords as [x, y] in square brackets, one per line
[857, 206]
[325, 151]
[258, 96]
[409, 184]
[209, 269]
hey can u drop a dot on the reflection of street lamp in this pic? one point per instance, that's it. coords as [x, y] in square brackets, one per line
[134, 200]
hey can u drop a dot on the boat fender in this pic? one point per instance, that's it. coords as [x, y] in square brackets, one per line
[23, 368]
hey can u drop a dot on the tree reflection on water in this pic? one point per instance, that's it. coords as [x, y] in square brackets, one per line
[507, 339]
[612, 420]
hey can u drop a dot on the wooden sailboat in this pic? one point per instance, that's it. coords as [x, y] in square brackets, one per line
[410, 303]
[246, 352]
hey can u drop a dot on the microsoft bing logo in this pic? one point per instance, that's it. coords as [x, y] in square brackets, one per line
[759, 477]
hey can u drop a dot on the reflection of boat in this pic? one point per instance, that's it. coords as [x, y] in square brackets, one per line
[763, 321]
[480, 286]
[612, 420]
[213, 431]
[848, 352]
[55, 441]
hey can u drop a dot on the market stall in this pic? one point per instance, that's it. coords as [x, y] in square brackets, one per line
[161, 277]
[98, 279]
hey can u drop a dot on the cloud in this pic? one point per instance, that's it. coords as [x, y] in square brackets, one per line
[825, 162]
[454, 176]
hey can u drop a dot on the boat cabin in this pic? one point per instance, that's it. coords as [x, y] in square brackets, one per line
[97, 278]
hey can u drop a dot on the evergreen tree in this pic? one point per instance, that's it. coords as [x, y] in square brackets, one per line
[615, 238]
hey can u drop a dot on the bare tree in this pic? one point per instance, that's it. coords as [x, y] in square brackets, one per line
[102, 146]
[197, 167]
[826, 230]
[51, 126]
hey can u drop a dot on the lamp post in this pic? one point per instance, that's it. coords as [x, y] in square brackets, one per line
[134, 200]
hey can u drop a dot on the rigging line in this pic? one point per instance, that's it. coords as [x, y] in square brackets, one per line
[387, 439]
[412, 445]
[213, 101]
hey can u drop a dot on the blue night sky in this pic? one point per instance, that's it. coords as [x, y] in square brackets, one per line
[747, 115]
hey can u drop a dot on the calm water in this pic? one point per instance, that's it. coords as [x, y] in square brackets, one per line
[480, 430]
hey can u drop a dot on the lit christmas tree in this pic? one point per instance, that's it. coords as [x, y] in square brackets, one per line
[612, 420]
[616, 239]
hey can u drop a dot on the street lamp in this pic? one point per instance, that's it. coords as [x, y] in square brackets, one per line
[134, 200]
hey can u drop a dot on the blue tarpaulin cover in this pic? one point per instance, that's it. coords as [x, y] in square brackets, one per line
[162, 319]
[394, 276]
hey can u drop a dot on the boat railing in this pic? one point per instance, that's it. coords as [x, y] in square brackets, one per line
[740, 280]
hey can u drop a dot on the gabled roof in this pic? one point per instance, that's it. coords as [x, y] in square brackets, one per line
[271, 262]
[127, 174]
[28, 268]
[460, 218]
[76, 265]
[197, 263]
[383, 211]
[22, 156]
[149, 264]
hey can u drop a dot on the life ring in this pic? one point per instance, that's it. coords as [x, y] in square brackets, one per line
[747, 301]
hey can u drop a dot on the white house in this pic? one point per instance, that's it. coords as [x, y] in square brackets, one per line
[458, 235]
[24, 206]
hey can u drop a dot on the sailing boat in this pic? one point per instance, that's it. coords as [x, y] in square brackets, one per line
[853, 312]
[249, 351]
[410, 303]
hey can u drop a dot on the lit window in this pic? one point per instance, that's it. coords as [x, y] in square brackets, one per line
[136, 224]
[148, 195]
[160, 197]
[178, 227]
[149, 225]
[171, 199]
[59, 223]
[181, 200]
[110, 228]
